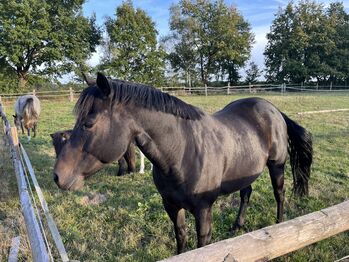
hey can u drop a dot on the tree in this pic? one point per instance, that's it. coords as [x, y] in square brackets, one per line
[215, 36]
[252, 73]
[306, 42]
[45, 37]
[132, 53]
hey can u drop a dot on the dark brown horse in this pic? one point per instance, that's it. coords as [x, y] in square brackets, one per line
[127, 164]
[196, 156]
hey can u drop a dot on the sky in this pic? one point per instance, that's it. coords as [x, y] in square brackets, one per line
[259, 13]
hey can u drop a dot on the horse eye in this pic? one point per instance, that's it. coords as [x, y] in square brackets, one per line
[87, 125]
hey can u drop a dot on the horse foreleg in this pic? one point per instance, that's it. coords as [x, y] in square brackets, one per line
[130, 157]
[122, 166]
[203, 222]
[22, 128]
[245, 198]
[277, 179]
[177, 215]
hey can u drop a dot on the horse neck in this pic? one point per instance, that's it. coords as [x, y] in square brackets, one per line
[159, 136]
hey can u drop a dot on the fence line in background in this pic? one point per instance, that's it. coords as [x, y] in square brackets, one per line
[274, 241]
[204, 90]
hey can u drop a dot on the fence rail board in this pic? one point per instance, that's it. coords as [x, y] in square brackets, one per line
[276, 240]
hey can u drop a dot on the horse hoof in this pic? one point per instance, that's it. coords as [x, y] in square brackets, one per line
[29, 138]
[235, 229]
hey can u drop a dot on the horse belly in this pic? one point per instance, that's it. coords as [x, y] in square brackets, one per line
[237, 183]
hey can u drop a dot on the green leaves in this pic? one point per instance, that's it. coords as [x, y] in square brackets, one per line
[40, 36]
[308, 42]
[131, 52]
[209, 35]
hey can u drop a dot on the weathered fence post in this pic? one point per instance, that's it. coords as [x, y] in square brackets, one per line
[71, 94]
[205, 89]
[228, 89]
[0, 100]
[331, 85]
[34, 92]
[141, 169]
[250, 87]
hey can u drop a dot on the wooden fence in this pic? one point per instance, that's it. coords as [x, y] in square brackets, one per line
[38, 242]
[205, 90]
[274, 241]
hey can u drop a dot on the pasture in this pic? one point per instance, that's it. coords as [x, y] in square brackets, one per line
[131, 225]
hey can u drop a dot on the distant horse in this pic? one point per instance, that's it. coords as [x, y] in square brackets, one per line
[27, 112]
[127, 164]
[196, 156]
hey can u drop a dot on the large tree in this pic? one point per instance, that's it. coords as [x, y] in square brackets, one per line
[131, 51]
[39, 36]
[212, 34]
[307, 42]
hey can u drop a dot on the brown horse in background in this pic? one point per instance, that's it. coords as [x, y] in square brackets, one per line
[127, 164]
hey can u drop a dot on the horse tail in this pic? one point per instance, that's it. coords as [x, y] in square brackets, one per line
[300, 149]
[30, 114]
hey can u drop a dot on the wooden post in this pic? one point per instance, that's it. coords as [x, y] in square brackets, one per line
[71, 95]
[228, 89]
[250, 87]
[331, 85]
[205, 89]
[141, 169]
[14, 135]
[274, 241]
[13, 256]
[34, 92]
[0, 100]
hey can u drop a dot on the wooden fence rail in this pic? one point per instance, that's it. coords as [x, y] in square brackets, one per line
[38, 248]
[274, 241]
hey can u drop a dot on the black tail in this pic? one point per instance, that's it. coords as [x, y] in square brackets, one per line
[300, 149]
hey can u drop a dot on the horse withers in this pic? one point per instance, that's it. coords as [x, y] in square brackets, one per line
[27, 112]
[196, 156]
[127, 164]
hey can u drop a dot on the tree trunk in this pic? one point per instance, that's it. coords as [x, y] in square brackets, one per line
[22, 79]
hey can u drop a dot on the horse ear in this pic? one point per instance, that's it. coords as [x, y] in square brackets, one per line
[103, 84]
[52, 135]
[89, 81]
[14, 116]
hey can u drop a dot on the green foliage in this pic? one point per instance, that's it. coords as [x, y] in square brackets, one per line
[308, 41]
[46, 37]
[211, 36]
[252, 73]
[131, 51]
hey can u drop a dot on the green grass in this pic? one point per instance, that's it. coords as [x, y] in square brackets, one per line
[132, 224]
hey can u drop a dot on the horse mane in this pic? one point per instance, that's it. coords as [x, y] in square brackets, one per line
[141, 95]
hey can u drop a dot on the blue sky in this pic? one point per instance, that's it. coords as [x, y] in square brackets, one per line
[258, 13]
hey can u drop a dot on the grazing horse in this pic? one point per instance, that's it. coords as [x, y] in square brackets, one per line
[27, 112]
[196, 156]
[127, 164]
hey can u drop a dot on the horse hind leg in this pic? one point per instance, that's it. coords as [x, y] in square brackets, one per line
[122, 166]
[276, 172]
[245, 198]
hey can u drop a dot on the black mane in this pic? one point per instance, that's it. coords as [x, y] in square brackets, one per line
[142, 95]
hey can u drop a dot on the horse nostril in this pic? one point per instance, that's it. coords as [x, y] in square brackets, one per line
[55, 178]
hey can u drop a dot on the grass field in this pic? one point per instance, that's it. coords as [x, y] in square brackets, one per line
[132, 224]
